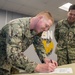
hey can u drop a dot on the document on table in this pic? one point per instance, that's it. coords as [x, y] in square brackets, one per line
[61, 70]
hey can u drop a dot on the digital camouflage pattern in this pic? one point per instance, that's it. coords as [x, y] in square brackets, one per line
[65, 37]
[15, 38]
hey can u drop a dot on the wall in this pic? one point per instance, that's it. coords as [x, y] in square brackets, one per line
[6, 16]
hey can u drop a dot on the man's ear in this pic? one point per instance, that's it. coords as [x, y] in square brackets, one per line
[40, 17]
[37, 18]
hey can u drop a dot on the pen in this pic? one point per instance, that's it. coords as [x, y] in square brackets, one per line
[51, 61]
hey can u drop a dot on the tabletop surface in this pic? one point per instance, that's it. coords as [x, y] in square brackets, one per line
[63, 66]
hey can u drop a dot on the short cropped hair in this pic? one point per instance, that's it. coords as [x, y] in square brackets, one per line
[72, 7]
[46, 14]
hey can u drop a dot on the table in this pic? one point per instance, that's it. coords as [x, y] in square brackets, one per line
[63, 66]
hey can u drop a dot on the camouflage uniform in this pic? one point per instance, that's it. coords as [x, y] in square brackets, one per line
[65, 37]
[15, 38]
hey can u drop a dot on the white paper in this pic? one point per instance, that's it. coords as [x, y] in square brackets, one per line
[61, 70]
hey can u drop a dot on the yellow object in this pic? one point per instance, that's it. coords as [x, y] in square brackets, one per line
[48, 46]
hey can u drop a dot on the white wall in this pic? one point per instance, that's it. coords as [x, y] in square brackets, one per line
[6, 16]
[53, 55]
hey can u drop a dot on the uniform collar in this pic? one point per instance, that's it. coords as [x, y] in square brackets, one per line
[66, 23]
[29, 33]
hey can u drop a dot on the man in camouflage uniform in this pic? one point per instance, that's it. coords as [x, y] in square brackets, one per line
[17, 36]
[65, 37]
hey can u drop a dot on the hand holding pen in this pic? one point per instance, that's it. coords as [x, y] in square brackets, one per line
[47, 60]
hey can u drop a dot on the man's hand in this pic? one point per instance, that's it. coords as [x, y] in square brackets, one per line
[47, 60]
[45, 67]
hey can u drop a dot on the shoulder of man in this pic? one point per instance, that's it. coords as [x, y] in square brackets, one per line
[60, 23]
